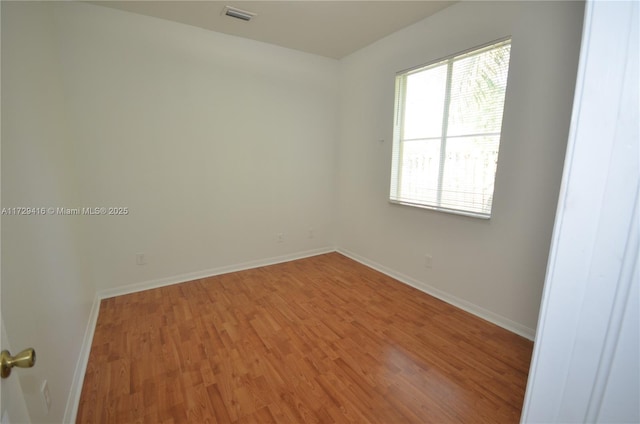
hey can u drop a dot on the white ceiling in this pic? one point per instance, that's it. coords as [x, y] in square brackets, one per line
[328, 28]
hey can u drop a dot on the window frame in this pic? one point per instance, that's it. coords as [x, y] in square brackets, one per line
[399, 115]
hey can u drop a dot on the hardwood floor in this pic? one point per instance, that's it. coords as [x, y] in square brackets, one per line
[318, 340]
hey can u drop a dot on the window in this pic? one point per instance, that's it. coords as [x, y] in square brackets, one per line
[448, 118]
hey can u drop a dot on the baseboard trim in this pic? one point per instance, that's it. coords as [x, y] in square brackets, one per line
[183, 278]
[494, 318]
[73, 401]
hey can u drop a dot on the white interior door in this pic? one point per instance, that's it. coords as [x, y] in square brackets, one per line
[585, 362]
[47, 291]
[12, 404]
[13, 408]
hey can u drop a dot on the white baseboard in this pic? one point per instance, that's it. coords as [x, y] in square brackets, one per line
[494, 318]
[182, 278]
[73, 401]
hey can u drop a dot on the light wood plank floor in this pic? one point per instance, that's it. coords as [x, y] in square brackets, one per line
[318, 340]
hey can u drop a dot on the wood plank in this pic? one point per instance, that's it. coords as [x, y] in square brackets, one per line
[318, 340]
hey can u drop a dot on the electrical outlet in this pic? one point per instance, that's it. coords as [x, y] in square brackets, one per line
[428, 261]
[141, 259]
[280, 237]
[311, 233]
[46, 396]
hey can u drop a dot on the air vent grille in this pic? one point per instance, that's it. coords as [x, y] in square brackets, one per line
[238, 13]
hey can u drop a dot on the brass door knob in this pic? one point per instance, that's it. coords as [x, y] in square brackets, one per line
[24, 359]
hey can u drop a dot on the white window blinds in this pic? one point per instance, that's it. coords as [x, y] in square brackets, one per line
[448, 118]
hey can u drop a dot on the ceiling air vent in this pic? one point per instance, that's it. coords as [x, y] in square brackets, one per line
[238, 13]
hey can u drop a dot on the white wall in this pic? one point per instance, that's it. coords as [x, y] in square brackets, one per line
[46, 293]
[495, 267]
[214, 143]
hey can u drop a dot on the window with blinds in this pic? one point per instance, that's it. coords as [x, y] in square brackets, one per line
[448, 118]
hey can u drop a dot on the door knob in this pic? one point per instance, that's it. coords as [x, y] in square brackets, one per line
[24, 359]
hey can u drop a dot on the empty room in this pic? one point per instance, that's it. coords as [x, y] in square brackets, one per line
[319, 212]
